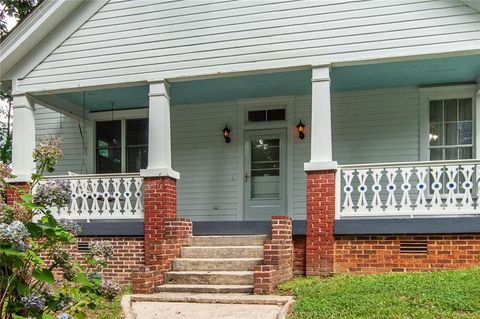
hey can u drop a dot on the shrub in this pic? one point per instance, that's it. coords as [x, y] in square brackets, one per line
[34, 246]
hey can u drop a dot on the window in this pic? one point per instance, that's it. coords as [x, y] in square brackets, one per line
[266, 115]
[121, 145]
[451, 129]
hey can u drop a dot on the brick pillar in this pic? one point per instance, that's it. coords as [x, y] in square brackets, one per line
[160, 204]
[13, 192]
[277, 257]
[320, 222]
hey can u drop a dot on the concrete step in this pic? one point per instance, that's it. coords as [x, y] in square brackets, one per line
[222, 252]
[209, 277]
[212, 264]
[206, 288]
[242, 240]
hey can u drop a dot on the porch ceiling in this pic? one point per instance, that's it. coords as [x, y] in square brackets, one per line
[465, 69]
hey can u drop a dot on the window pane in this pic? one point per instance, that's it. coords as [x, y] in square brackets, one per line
[436, 134]
[451, 153]
[450, 110]
[465, 133]
[451, 134]
[465, 109]
[137, 132]
[465, 153]
[108, 152]
[257, 116]
[436, 111]
[276, 115]
[109, 160]
[137, 158]
[109, 134]
[436, 154]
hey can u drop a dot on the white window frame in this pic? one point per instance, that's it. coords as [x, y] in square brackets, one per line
[445, 93]
[115, 115]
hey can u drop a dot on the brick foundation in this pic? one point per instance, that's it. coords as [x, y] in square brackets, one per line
[12, 193]
[320, 221]
[147, 277]
[299, 255]
[277, 257]
[377, 254]
[127, 256]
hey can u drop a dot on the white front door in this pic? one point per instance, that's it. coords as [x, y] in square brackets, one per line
[265, 174]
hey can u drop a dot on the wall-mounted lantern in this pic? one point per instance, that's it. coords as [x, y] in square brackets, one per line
[301, 130]
[226, 134]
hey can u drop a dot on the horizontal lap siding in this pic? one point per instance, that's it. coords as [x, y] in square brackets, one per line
[376, 126]
[135, 40]
[208, 185]
[51, 123]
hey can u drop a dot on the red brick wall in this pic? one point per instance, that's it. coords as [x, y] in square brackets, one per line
[277, 257]
[376, 254]
[127, 256]
[160, 203]
[12, 194]
[320, 220]
[299, 255]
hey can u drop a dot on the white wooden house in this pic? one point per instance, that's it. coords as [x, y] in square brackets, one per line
[388, 92]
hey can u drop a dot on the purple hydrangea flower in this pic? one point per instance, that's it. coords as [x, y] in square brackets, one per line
[53, 193]
[101, 250]
[71, 226]
[16, 232]
[33, 301]
[63, 316]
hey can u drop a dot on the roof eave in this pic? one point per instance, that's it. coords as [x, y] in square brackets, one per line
[32, 31]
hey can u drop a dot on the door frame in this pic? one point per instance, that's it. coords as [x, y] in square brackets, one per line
[245, 105]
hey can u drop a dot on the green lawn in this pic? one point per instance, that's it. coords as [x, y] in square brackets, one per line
[109, 309]
[440, 295]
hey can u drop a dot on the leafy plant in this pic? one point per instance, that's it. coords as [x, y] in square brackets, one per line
[38, 276]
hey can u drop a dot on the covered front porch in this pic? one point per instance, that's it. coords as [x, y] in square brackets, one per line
[401, 136]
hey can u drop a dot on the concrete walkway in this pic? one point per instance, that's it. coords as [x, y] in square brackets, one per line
[205, 306]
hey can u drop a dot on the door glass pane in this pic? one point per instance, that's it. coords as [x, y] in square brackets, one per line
[436, 154]
[451, 134]
[137, 145]
[108, 150]
[451, 153]
[265, 168]
[465, 153]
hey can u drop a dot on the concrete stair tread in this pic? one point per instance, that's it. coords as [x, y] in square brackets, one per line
[221, 259]
[213, 272]
[205, 288]
[218, 247]
[241, 240]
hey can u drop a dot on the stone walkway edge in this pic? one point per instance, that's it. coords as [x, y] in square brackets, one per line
[284, 301]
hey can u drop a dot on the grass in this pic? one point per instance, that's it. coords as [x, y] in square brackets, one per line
[108, 309]
[440, 295]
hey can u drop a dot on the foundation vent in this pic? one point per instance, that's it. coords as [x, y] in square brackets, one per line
[83, 247]
[413, 247]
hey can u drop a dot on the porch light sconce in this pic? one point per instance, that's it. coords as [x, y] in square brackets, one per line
[301, 130]
[226, 134]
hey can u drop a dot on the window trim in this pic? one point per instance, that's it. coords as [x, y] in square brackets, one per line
[428, 94]
[115, 115]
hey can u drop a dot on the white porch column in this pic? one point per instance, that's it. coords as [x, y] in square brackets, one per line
[159, 140]
[23, 142]
[321, 124]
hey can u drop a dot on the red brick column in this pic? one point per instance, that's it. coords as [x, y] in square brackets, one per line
[160, 203]
[277, 257]
[320, 222]
[13, 191]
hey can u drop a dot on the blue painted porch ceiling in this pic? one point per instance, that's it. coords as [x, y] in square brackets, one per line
[350, 78]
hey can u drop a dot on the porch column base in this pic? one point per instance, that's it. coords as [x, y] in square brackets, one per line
[320, 166]
[159, 172]
[320, 242]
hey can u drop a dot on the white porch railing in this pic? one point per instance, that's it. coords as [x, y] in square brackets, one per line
[411, 189]
[102, 196]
